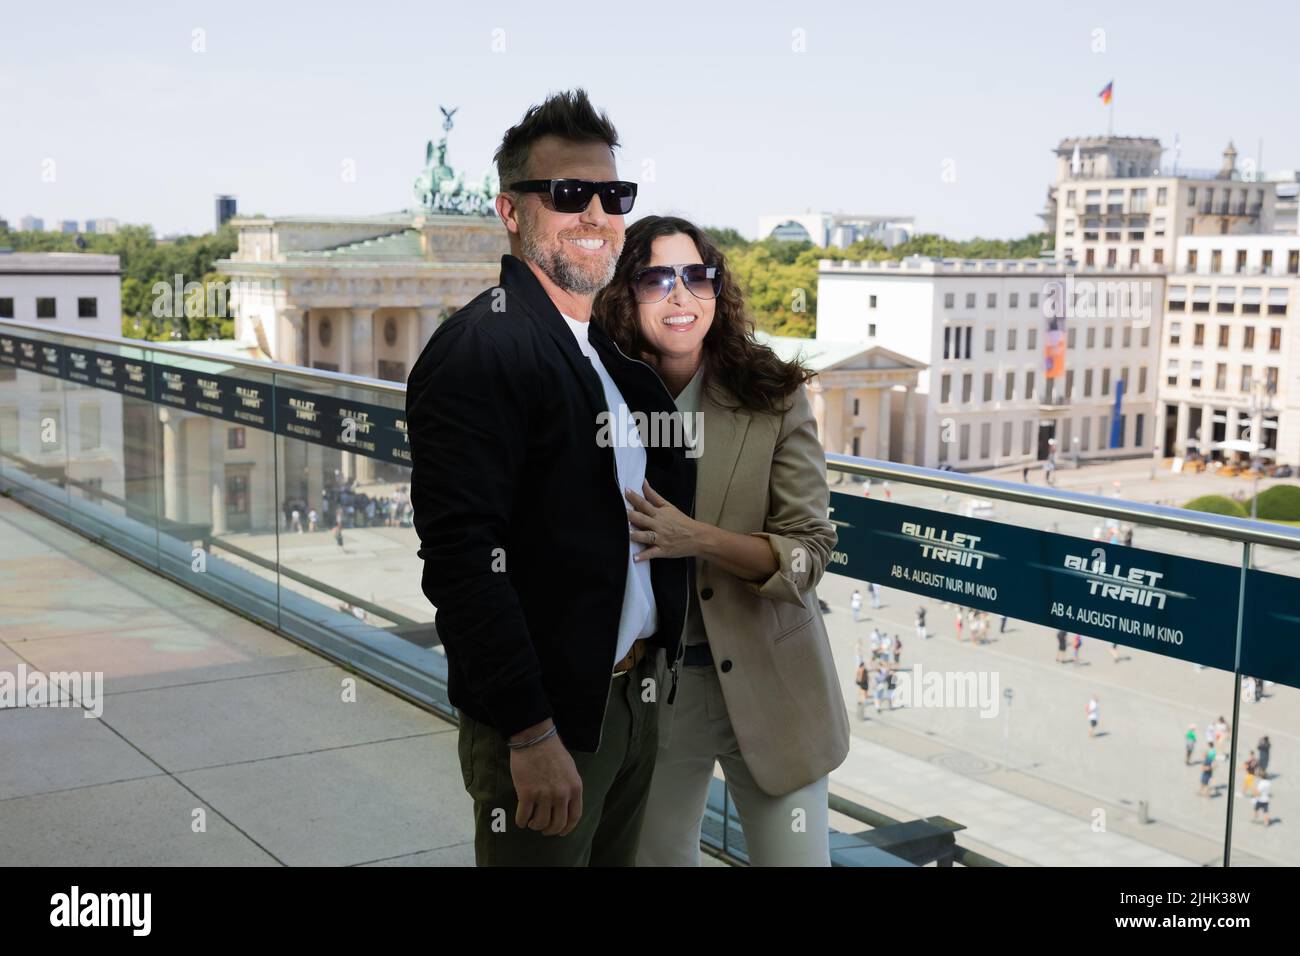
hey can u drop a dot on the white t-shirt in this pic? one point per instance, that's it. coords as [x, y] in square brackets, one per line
[640, 616]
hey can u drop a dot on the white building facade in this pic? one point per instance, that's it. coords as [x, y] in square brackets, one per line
[982, 328]
[1230, 359]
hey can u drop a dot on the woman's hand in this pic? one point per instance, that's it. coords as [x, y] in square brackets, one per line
[660, 526]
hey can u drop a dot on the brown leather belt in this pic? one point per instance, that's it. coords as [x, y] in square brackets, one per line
[634, 656]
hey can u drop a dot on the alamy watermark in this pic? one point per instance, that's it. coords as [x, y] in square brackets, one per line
[81, 689]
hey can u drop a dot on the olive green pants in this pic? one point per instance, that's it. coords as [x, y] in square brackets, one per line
[615, 784]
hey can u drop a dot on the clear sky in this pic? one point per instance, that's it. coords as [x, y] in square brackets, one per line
[721, 118]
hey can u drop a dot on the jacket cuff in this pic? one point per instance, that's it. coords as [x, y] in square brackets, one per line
[784, 584]
[518, 707]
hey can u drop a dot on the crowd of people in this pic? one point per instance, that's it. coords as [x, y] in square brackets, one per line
[342, 506]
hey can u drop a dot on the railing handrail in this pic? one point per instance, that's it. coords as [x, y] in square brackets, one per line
[261, 365]
[1160, 516]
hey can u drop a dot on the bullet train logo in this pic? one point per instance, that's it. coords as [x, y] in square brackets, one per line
[1134, 585]
[943, 546]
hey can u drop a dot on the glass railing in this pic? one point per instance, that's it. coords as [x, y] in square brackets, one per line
[283, 493]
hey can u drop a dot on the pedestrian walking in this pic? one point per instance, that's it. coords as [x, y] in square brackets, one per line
[874, 590]
[1207, 773]
[1264, 747]
[855, 604]
[920, 623]
[1094, 715]
[1061, 638]
[1261, 803]
[1189, 744]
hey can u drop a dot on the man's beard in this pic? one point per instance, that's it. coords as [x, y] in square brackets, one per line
[581, 277]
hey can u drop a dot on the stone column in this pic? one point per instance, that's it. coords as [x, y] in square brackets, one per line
[1207, 429]
[428, 317]
[363, 343]
[414, 344]
[1230, 432]
[1182, 428]
[343, 330]
[834, 439]
[291, 336]
[882, 422]
[217, 473]
[173, 449]
[909, 428]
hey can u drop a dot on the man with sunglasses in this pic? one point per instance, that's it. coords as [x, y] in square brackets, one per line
[552, 632]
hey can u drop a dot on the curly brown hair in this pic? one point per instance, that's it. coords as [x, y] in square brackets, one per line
[756, 376]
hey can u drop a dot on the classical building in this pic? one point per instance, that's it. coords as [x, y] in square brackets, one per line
[863, 396]
[1230, 359]
[1022, 358]
[363, 294]
[1115, 204]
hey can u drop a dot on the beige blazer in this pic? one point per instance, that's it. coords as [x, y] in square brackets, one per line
[766, 474]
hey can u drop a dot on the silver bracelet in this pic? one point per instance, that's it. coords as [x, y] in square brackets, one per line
[536, 740]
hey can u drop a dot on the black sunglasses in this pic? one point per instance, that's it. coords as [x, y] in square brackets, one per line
[574, 195]
[655, 283]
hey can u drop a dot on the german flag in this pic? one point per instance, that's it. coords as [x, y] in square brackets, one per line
[1107, 93]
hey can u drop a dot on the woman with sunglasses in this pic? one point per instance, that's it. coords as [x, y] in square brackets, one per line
[755, 688]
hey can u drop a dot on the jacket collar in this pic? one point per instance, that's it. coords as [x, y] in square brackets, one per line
[518, 280]
[725, 428]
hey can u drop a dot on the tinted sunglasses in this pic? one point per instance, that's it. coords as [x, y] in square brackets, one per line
[655, 283]
[574, 195]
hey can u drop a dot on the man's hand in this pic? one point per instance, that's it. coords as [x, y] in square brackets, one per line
[547, 784]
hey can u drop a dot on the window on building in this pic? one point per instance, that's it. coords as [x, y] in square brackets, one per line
[871, 302]
[1013, 299]
[969, 330]
[988, 386]
[6, 308]
[970, 304]
[1198, 334]
[1224, 332]
[1006, 439]
[947, 341]
[1103, 431]
[1033, 300]
[1146, 336]
[943, 441]
[1275, 340]
[1220, 376]
[990, 339]
[1090, 257]
[1069, 382]
[1070, 337]
[965, 387]
[1108, 336]
[945, 389]
[1011, 386]
[1085, 433]
[992, 300]
[948, 300]
[1191, 260]
[1105, 381]
[1030, 391]
[87, 308]
[1162, 195]
[1091, 337]
[1031, 338]
[1293, 262]
[1266, 261]
[235, 437]
[1087, 383]
[1126, 336]
[1158, 257]
[1246, 375]
[45, 308]
[1011, 340]
[1171, 372]
[1270, 380]
[1027, 437]
[1216, 261]
[963, 450]
[1142, 380]
[871, 330]
[1196, 373]
[1241, 260]
[986, 438]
